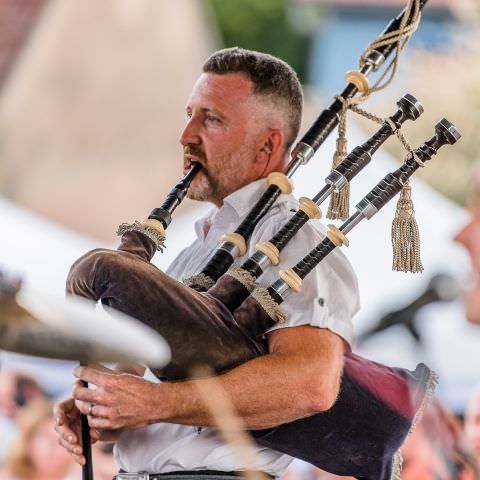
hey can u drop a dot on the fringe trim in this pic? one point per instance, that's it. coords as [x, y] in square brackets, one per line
[272, 309]
[405, 235]
[201, 280]
[397, 466]
[430, 386]
[338, 208]
[154, 235]
[244, 277]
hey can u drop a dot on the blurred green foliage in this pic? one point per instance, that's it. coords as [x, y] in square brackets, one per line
[263, 25]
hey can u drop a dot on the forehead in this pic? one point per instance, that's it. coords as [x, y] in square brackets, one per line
[221, 92]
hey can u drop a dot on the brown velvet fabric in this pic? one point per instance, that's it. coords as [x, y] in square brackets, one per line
[198, 327]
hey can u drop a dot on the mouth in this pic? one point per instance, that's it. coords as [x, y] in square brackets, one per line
[188, 161]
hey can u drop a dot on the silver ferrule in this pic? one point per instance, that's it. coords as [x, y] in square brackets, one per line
[231, 248]
[352, 222]
[261, 260]
[293, 166]
[303, 152]
[281, 288]
[367, 209]
[375, 60]
[336, 180]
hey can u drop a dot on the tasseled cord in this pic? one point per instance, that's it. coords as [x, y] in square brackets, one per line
[338, 209]
[405, 235]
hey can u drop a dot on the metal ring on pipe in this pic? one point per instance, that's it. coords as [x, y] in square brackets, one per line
[291, 279]
[270, 251]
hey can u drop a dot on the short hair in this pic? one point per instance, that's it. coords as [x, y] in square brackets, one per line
[271, 77]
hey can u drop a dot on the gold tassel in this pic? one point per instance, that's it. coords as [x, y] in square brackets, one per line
[405, 235]
[338, 208]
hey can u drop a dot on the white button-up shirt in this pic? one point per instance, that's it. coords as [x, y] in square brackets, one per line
[328, 299]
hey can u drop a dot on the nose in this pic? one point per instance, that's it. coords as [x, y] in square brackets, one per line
[464, 235]
[191, 133]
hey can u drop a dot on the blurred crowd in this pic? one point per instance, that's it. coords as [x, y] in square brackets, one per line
[29, 449]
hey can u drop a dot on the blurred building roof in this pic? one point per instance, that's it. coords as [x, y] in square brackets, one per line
[16, 20]
[377, 3]
[93, 105]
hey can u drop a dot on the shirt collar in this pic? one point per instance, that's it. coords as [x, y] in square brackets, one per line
[242, 200]
[238, 204]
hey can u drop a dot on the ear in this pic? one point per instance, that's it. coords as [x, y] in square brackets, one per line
[271, 152]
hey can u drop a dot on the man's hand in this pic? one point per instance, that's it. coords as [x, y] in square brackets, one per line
[118, 400]
[68, 428]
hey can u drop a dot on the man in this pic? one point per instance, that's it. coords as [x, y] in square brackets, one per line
[242, 118]
[469, 237]
[472, 423]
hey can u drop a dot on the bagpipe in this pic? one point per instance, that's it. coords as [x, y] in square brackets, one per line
[377, 405]
[222, 323]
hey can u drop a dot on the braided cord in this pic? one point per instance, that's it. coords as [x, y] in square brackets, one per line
[399, 38]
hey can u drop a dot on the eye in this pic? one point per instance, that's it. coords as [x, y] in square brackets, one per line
[213, 119]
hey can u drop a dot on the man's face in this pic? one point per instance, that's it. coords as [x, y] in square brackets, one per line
[223, 134]
[472, 423]
[469, 237]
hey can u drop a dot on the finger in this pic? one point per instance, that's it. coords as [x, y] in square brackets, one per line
[74, 450]
[91, 375]
[62, 409]
[67, 434]
[85, 407]
[95, 434]
[86, 395]
[80, 459]
[102, 423]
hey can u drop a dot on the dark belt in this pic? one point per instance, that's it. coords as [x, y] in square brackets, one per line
[183, 475]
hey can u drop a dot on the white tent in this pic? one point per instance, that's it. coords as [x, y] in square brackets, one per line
[40, 253]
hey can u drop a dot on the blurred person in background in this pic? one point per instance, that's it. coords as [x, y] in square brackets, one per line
[472, 422]
[469, 237]
[35, 453]
[437, 448]
[16, 390]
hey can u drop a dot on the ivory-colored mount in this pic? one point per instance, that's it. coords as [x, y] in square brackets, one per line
[359, 80]
[155, 224]
[309, 207]
[336, 236]
[291, 279]
[270, 251]
[237, 240]
[281, 181]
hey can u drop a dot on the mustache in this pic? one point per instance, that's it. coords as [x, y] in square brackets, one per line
[194, 150]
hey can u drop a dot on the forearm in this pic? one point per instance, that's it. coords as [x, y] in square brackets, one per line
[298, 378]
[267, 391]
